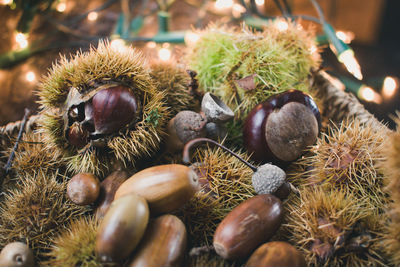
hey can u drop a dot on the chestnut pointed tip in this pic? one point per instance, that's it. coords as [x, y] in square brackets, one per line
[221, 250]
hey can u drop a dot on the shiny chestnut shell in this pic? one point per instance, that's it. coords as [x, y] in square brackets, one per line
[254, 135]
[112, 108]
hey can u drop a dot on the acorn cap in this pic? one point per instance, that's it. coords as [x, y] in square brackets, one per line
[268, 178]
[214, 109]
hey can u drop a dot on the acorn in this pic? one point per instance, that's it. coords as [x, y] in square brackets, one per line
[248, 225]
[185, 126]
[282, 127]
[215, 109]
[108, 187]
[276, 253]
[166, 251]
[83, 189]
[122, 228]
[166, 187]
[266, 179]
[16, 254]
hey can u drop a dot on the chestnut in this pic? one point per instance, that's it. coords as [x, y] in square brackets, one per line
[276, 253]
[16, 254]
[83, 188]
[282, 127]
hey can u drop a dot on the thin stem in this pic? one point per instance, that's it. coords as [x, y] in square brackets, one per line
[21, 131]
[188, 146]
[319, 11]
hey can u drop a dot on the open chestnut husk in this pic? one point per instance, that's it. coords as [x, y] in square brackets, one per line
[103, 112]
[282, 127]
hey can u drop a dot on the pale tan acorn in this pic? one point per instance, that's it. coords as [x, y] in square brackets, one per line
[169, 250]
[122, 228]
[165, 187]
[16, 254]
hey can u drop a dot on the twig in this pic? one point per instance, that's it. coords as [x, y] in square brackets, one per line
[21, 131]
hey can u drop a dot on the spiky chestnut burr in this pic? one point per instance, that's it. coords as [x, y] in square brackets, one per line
[282, 127]
[35, 210]
[79, 99]
[266, 179]
[244, 67]
[350, 156]
[75, 245]
[392, 170]
[333, 227]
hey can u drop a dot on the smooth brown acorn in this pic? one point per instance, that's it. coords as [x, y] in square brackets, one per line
[282, 127]
[165, 187]
[108, 187]
[164, 244]
[122, 228]
[247, 226]
[276, 253]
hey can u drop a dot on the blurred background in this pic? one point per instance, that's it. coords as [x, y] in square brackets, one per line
[361, 34]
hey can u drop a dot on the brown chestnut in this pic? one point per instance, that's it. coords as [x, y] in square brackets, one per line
[83, 188]
[282, 127]
[113, 108]
[248, 225]
[276, 253]
[77, 136]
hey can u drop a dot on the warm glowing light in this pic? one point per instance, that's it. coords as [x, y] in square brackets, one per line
[164, 54]
[281, 25]
[21, 40]
[191, 38]
[30, 76]
[6, 2]
[119, 45]
[368, 94]
[166, 45]
[259, 2]
[346, 37]
[223, 4]
[151, 45]
[61, 7]
[351, 63]
[92, 16]
[390, 86]
[313, 49]
[238, 10]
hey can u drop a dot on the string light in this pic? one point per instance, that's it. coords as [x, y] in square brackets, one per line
[346, 37]
[390, 85]
[151, 45]
[119, 45]
[348, 59]
[6, 2]
[191, 38]
[92, 16]
[61, 7]
[281, 25]
[164, 54]
[368, 94]
[238, 10]
[30, 76]
[21, 40]
[223, 4]
[260, 2]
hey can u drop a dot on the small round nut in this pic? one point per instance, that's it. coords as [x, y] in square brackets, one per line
[16, 254]
[83, 189]
[267, 179]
